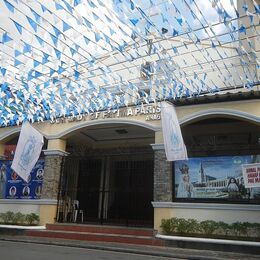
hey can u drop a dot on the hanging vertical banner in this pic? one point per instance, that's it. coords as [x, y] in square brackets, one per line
[175, 148]
[251, 174]
[28, 151]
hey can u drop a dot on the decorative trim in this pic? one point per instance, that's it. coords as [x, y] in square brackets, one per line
[29, 202]
[219, 111]
[55, 152]
[213, 206]
[23, 227]
[101, 122]
[209, 240]
[12, 131]
[157, 147]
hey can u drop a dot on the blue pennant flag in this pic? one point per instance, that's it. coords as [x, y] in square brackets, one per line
[111, 31]
[54, 39]
[257, 8]
[45, 58]
[17, 62]
[55, 80]
[6, 38]
[43, 8]
[36, 16]
[58, 53]
[100, 3]
[175, 50]
[37, 74]
[174, 32]
[69, 7]
[108, 19]
[40, 40]
[76, 47]
[32, 23]
[3, 71]
[72, 51]
[66, 26]
[132, 5]
[58, 6]
[91, 4]
[242, 29]
[56, 31]
[60, 70]
[88, 23]
[107, 39]
[27, 48]
[76, 74]
[87, 40]
[52, 71]
[76, 2]
[36, 63]
[9, 6]
[180, 21]
[134, 21]
[18, 27]
[97, 36]
[30, 77]
[46, 84]
[95, 16]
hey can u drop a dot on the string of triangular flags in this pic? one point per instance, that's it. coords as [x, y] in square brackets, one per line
[68, 57]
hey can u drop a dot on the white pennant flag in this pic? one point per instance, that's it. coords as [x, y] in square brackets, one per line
[27, 151]
[175, 148]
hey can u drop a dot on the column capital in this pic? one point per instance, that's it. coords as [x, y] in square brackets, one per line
[55, 152]
[157, 147]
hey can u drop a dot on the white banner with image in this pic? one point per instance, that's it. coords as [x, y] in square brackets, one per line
[27, 151]
[175, 148]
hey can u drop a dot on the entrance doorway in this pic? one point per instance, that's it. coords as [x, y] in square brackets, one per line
[117, 189]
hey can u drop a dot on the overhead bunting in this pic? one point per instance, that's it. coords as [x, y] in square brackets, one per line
[63, 58]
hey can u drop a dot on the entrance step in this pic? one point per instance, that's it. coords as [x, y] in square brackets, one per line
[98, 233]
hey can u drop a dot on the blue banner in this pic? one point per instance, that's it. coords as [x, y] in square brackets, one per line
[14, 187]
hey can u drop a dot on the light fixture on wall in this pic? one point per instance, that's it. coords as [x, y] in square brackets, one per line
[121, 131]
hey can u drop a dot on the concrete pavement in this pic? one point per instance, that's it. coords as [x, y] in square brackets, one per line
[166, 252]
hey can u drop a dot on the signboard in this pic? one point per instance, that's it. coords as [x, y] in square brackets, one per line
[251, 174]
[151, 113]
[14, 187]
[214, 178]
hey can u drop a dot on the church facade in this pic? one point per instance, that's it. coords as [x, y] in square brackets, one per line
[113, 165]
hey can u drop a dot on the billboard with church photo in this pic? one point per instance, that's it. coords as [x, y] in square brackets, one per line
[214, 178]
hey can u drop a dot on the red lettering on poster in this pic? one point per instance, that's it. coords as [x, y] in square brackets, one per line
[252, 175]
[251, 170]
[257, 180]
[251, 181]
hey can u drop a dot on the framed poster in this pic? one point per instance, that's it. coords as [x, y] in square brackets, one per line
[14, 187]
[218, 178]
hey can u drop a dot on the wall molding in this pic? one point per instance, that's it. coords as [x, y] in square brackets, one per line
[55, 152]
[212, 206]
[29, 201]
[219, 112]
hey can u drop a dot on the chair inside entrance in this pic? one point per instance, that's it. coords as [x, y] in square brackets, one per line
[77, 213]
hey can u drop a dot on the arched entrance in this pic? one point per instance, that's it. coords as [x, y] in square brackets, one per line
[110, 173]
[217, 148]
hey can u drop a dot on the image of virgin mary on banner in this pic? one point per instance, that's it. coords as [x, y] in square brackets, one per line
[175, 148]
[28, 151]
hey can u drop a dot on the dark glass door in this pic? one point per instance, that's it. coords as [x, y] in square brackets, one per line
[117, 190]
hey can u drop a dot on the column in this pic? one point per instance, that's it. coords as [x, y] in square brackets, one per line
[163, 185]
[54, 158]
[2, 150]
[162, 171]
